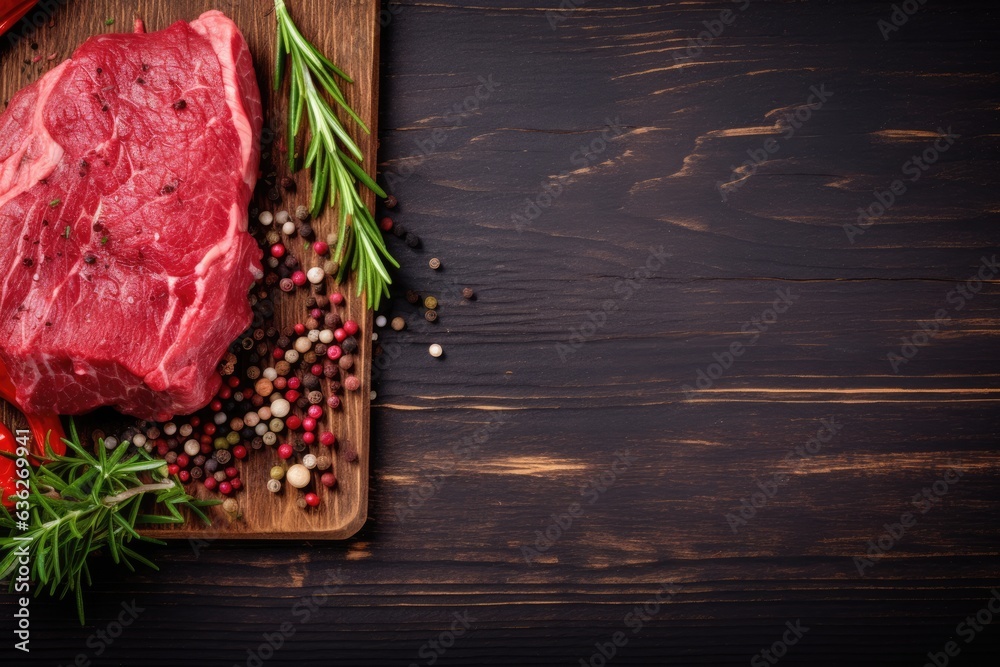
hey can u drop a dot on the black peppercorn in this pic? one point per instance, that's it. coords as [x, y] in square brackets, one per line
[291, 261]
[412, 240]
[399, 230]
[223, 456]
[306, 230]
[299, 446]
[197, 472]
[288, 184]
[412, 296]
[284, 342]
[310, 381]
[431, 316]
[302, 403]
[199, 460]
[211, 465]
[468, 293]
[180, 104]
[390, 202]
[350, 345]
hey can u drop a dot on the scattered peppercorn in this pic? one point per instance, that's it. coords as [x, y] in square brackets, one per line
[398, 324]
[391, 201]
[412, 240]
[179, 105]
[430, 303]
[435, 263]
[412, 297]
[468, 294]
[431, 315]
[288, 184]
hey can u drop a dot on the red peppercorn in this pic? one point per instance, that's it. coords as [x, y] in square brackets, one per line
[317, 370]
[195, 422]
[236, 483]
[336, 298]
[162, 449]
[385, 225]
[308, 438]
[209, 429]
[351, 327]
[292, 395]
[278, 250]
[280, 383]
[207, 448]
[233, 382]
[185, 476]
[334, 353]
[215, 406]
[285, 451]
[315, 411]
[205, 440]
[210, 483]
[183, 461]
[316, 314]
[173, 468]
[352, 383]
[278, 353]
[293, 422]
[300, 329]
[312, 500]
[225, 393]
[299, 278]
[225, 488]
[321, 247]
[240, 452]
[294, 382]
[309, 424]
[340, 335]
[328, 439]
[231, 472]
[328, 479]
[333, 402]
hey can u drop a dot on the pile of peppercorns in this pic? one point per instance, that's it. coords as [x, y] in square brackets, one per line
[277, 385]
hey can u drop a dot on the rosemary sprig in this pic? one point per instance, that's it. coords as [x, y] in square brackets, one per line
[332, 156]
[80, 503]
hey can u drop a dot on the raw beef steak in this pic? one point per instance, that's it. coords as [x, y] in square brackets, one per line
[125, 177]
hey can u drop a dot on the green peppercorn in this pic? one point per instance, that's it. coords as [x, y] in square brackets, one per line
[430, 303]
[277, 472]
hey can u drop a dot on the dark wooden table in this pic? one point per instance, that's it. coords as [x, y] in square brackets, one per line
[637, 212]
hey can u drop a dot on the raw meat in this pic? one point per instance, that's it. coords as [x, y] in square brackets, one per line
[125, 262]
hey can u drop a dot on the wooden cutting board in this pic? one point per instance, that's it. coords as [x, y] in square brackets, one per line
[347, 32]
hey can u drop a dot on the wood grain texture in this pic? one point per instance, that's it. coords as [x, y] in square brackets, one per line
[348, 32]
[448, 520]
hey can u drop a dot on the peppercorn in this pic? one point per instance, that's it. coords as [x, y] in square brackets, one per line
[346, 362]
[288, 184]
[435, 350]
[328, 479]
[287, 285]
[431, 315]
[298, 476]
[312, 323]
[350, 455]
[398, 324]
[230, 506]
[412, 240]
[386, 224]
[320, 349]
[197, 473]
[332, 320]
[273, 485]
[306, 230]
[412, 297]
[312, 500]
[302, 212]
[223, 456]
[350, 345]
[468, 294]
[434, 263]
[352, 383]
[391, 201]
[283, 368]
[399, 230]
[430, 303]
[309, 461]
[323, 463]
[331, 268]
[333, 402]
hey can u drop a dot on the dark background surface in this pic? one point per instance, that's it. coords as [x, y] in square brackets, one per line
[449, 517]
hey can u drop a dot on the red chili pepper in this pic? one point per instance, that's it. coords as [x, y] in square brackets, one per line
[42, 427]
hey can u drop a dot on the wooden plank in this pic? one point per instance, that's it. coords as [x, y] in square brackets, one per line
[347, 31]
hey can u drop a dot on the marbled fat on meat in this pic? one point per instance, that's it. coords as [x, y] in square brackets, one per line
[125, 177]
